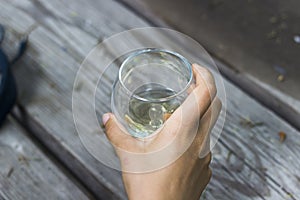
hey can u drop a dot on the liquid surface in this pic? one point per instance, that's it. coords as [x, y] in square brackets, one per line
[145, 117]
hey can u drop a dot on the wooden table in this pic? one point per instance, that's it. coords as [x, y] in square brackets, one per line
[41, 156]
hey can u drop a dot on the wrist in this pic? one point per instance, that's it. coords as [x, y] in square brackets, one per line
[142, 190]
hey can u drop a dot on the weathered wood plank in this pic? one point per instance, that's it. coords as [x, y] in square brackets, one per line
[60, 133]
[33, 81]
[251, 133]
[49, 71]
[27, 173]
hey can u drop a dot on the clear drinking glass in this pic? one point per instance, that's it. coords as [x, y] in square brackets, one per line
[151, 84]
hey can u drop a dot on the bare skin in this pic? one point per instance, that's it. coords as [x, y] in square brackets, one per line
[186, 175]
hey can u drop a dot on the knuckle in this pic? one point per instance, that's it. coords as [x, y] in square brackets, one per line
[112, 132]
[109, 128]
[218, 102]
[208, 176]
[209, 173]
[209, 91]
[208, 159]
[212, 90]
[208, 76]
[207, 72]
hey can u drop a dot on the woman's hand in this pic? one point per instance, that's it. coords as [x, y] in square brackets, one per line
[174, 163]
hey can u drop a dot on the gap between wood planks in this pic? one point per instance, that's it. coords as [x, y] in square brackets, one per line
[19, 111]
[26, 149]
[262, 95]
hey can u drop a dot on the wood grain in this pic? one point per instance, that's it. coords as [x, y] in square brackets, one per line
[249, 163]
[27, 173]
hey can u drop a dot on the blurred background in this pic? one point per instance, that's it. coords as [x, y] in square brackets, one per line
[258, 40]
[261, 38]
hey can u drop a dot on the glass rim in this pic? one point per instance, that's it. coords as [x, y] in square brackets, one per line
[147, 50]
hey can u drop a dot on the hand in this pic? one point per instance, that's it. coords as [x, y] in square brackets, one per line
[174, 163]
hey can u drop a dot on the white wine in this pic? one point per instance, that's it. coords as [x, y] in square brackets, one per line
[147, 109]
[151, 85]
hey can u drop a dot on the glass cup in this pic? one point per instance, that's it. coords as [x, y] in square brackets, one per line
[151, 84]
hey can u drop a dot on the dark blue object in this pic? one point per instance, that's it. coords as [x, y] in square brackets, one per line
[8, 91]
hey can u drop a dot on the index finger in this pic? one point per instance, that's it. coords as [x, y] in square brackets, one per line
[195, 105]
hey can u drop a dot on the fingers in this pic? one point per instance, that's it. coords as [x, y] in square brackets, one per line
[113, 130]
[206, 125]
[198, 101]
[210, 117]
[205, 90]
[185, 120]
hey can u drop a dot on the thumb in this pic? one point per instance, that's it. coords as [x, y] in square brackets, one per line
[115, 132]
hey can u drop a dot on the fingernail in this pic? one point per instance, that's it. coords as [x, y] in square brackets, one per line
[105, 118]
